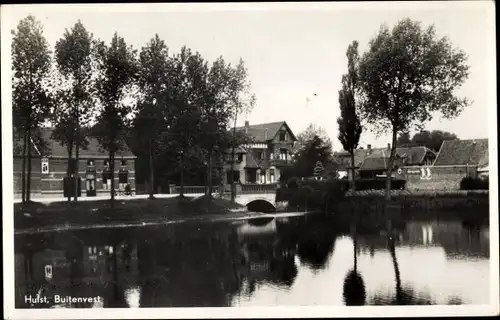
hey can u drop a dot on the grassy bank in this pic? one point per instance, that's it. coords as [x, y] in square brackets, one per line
[86, 213]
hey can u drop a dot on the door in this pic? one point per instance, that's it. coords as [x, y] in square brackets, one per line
[90, 185]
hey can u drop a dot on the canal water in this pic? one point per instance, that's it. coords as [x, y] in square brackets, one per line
[305, 260]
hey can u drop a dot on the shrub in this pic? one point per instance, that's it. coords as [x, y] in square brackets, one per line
[470, 183]
[312, 193]
[293, 182]
[379, 184]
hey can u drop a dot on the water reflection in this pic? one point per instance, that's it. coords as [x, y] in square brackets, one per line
[354, 287]
[309, 260]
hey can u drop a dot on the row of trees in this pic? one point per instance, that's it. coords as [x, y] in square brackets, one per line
[407, 76]
[164, 107]
[430, 139]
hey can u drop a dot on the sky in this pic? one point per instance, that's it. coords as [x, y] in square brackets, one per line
[295, 53]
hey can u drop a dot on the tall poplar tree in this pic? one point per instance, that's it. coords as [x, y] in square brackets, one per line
[31, 63]
[349, 124]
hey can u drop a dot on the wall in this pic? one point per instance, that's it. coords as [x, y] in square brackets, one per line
[52, 183]
[441, 177]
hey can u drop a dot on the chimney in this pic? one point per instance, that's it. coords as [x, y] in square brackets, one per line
[247, 124]
[265, 134]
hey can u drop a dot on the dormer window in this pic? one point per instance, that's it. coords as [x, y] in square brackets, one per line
[240, 157]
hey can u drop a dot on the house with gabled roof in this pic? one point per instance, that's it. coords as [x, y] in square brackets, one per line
[262, 160]
[50, 167]
[473, 153]
[372, 162]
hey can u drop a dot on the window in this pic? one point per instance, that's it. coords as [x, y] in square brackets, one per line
[240, 157]
[106, 179]
[271, 156]
[90, 163]
[263, 176]
[251, 176]
[260, 155]
[283, 153]
[123, 177]
[124, 162]
[271, 174]
[283, 136]
[106, 163]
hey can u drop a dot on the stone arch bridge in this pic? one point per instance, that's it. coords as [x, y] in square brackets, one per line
[258, 195]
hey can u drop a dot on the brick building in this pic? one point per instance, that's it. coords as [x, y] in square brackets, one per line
[455, 160]
[50, 165]
[261, 161]
[372, 162]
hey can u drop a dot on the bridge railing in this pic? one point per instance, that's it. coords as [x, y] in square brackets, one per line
[258, 188]
[194, 189]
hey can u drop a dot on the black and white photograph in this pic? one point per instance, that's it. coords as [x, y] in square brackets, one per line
[235, 160]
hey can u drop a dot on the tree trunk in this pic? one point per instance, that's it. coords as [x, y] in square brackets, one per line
[392, 250]
[28, 183]
[181, 193]
[233, 190]
[353, 173]
[77, 155]
[390, 166]
[355, 242]
[209, 177]
[68, 170]
[151, 171]
[77, 175]
[112, 169]
[23, 173]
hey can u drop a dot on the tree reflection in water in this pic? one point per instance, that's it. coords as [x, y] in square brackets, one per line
[316, 241]
[212, 264]
[354, 287]
[405, 295]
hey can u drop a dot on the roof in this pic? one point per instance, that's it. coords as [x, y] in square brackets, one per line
[463, 152]
[54, 148]
[344, 158]
[265, 131]
[410, 156]
[251, 162]
[378, 163]
[484, 160]
[413, 155]
[374, 163]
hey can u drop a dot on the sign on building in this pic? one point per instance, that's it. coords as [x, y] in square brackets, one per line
[48, 272]
[45, 166]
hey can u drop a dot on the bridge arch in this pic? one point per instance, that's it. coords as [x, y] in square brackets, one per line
[261, 205]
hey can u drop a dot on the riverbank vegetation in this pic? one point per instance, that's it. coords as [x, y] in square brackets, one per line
[333, 197]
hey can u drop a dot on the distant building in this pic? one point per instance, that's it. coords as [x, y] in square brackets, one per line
[372, 162]
[50, 165]
[262, 160]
